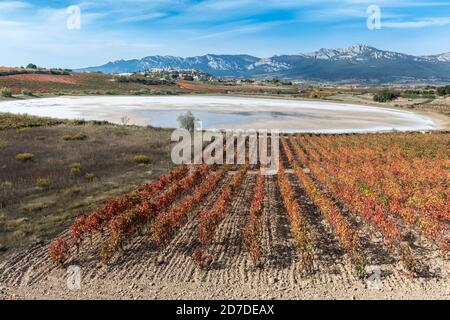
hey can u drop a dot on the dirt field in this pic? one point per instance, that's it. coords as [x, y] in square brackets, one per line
[146, 271]
[41, 78]
[77, 83]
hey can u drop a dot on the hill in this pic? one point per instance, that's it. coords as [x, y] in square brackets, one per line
[354, 64]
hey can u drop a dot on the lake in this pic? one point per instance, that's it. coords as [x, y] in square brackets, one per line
[224, 112]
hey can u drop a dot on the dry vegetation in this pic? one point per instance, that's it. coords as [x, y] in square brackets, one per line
[48, 175]
[277, 89]
[13, 121]
[309, 231]
[78, 83]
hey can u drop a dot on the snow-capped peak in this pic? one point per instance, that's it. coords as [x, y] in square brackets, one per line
[269, 65]
[357, 52]
[444, 57]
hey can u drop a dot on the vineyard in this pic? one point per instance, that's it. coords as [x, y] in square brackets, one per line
[339, 205]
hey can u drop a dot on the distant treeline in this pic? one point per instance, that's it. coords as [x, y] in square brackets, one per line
[61, 72]
[428, 93]
[442, 91]
[142, 80]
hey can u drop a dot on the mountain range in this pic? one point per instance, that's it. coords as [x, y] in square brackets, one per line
[354, 64]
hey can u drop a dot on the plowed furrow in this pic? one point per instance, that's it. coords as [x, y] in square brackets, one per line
[228, 245]
[179, 251]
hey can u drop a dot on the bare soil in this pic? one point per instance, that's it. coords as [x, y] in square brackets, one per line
[30, 218]
[144, 272]
[42, 78]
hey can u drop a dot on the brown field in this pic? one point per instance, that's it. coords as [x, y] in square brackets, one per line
[198, 87]
[317, 230]
[39, 197]
[242, 89]
[40, 78]
[76, 83]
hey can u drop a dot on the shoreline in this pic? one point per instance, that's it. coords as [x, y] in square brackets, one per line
[286, 114]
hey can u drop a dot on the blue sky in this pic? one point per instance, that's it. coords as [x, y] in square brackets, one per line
[36, 30]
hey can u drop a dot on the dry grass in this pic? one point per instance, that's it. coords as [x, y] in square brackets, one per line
[39, 198]
[14, 121]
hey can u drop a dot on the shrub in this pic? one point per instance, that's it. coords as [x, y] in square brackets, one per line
[5, 92]
[31, 66]
[98, 123]
[76, 122]
[146, 92]
[13, 121]
[76, 190]
[89, 177]
[124, 120]
[140, 92]
[75, 137]
[141, 159]
[202, 258]
[26, 92]
[75, 167]
[59, 251]
[385, 95]
[24, 156]
[43, 183]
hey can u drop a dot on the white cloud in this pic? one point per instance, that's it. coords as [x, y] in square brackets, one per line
[343, 13]
[251, 28]
[143, 17]
[419, 23]
[10, 23]
[13, 5]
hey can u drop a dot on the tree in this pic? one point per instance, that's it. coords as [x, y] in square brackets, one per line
[385, 95]
[187, 121]
[31, 66]
[442, 91]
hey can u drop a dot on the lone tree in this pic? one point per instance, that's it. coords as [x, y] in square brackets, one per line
[187, 121]
[31, 66]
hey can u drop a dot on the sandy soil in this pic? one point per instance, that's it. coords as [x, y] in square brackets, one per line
[287, 115]
[144, 272]
[442, 121]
